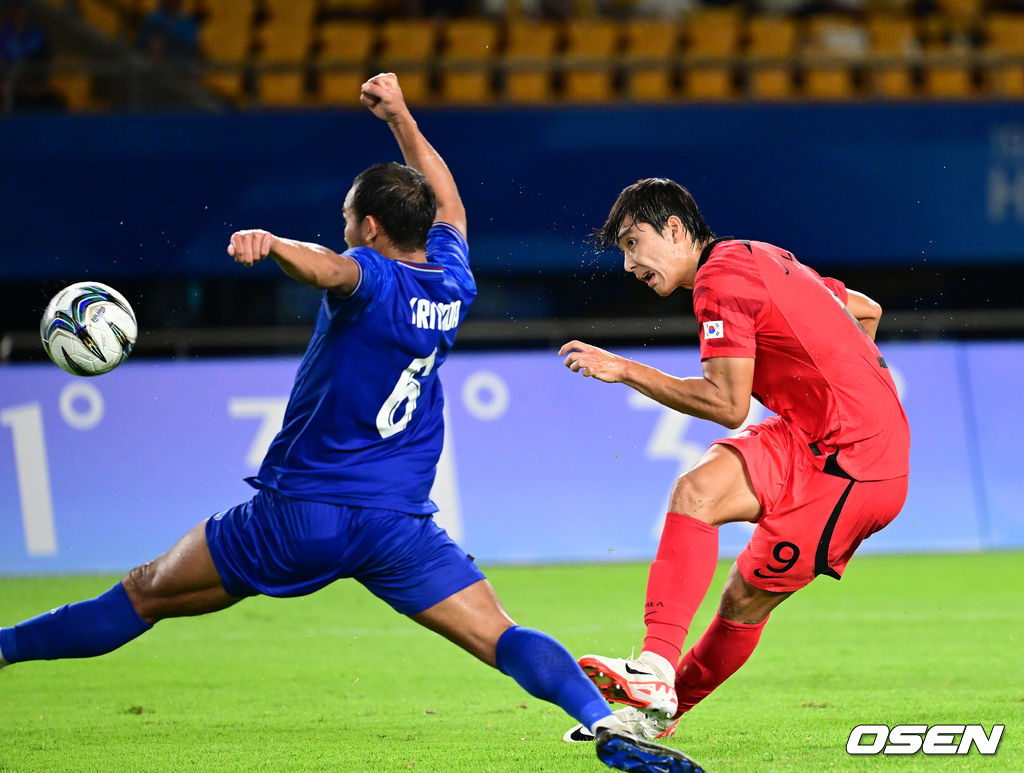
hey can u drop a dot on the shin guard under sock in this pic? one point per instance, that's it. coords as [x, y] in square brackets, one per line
[724, 647]
[81, 630]
[546, 670]
[677, 582]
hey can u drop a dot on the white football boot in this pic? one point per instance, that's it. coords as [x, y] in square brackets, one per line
[634, 720]
[648, 682]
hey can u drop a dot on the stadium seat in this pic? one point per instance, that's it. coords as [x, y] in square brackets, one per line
[589, 59]
[949, 74]
[344, 52]
[224, 12]
[75, 90]
[892, 46]
[225, 40]
[530, 47]
[290, 13]
[470, 47]
[102, 15]
[771, 42]
[283, 89]
[960, 16]
[407, 48]
[834, 45]
[650, 46]
[1004, 35]
[284, 41]
[712, 40]
[287, 34]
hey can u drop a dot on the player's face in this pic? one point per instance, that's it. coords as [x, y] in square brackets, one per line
[650, 256]
[352, 237]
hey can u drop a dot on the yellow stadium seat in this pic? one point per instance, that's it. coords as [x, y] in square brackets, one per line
[771, 43]
[225, 53]
[650, 45]
[347, 41]
[283, 89]
[341, 88]
[948, 74]
[222, 13]
[103, 16]
[962, 16]
[469, 51]
[226, 40]
[1004, 34]
[290, 13]
[713, 41]
[279, 42]
[892, 42]
[947, 81]
[344, 53]
[407, 49]
[530, 47]
[75, 89]
[834, 46]
[588, 63]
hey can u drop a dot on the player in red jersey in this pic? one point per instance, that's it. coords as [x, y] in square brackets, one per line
[818, 478]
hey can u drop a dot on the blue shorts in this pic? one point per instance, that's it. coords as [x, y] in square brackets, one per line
[279, 546]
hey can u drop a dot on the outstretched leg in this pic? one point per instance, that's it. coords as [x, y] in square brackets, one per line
[474, 619]
[183, 581]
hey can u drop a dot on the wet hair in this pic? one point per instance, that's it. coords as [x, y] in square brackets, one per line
[401, 200]
[653, 201]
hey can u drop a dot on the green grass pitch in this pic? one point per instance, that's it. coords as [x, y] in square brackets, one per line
[337, 681]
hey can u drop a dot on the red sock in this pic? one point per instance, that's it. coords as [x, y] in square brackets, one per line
[724, 647]
[678, 580]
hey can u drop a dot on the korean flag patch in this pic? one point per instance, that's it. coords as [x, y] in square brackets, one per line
[714, 329]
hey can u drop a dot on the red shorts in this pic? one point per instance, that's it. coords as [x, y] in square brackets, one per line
[813, 521]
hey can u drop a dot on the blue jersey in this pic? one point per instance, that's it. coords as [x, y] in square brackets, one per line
[364, 423]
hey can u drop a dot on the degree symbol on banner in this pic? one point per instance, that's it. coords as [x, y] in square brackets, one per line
[485, 395]
[81, 405]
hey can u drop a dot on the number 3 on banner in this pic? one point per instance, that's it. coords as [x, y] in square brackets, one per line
[407, 389]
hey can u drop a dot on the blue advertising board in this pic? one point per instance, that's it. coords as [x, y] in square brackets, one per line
[540, 465]
[104, 197]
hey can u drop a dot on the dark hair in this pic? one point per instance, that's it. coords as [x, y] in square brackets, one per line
[652, 201]
[401, 200]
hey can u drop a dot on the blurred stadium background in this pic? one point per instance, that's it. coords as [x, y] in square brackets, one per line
[880, 140]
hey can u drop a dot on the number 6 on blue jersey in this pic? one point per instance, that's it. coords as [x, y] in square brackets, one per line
[407, 388]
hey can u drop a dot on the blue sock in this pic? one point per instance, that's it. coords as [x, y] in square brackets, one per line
[81, 630]
[546, 670]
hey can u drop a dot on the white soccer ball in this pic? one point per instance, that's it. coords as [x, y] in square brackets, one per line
[88, 329]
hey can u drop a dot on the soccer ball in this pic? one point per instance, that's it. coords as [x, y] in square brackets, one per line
[88, 329]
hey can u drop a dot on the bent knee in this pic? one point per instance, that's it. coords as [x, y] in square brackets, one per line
[140, 585]
[696, 496]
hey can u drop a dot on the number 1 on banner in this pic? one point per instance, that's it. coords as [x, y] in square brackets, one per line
[26, 423]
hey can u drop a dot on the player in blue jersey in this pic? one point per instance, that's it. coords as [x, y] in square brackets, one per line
[344, 490]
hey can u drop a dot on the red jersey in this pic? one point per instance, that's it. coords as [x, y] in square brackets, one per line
[813, 363]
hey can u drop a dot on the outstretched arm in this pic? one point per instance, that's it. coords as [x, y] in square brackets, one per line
[383, 96]
[305, 262]
[866, 311]
[721, 395]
